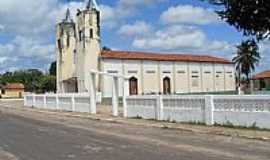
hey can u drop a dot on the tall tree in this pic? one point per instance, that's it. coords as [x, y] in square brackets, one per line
[52, 69]
[47, 84]
[246, 58]
[249, 16]
[105, 48]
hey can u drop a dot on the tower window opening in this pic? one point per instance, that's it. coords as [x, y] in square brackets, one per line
[91, 33]
[80, 35]
[68, 41]
[75, 56]
[59, 45]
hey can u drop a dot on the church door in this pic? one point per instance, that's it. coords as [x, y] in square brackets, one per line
[133, 86]
[166, 85]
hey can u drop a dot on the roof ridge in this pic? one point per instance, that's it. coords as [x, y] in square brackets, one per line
[162, 56]
[163, 53]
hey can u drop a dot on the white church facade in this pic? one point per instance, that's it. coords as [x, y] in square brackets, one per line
[79, 51]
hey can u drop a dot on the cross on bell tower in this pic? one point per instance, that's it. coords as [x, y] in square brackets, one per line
[68, 16]
[91, 4]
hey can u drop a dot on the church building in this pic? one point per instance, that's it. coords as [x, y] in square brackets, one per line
[79, 51]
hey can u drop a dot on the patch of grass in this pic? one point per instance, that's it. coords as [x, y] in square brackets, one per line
[137, 117]
[252, 127]
[194, 123]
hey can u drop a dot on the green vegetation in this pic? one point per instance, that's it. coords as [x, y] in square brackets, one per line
[251, 17]
[252, 127]
[52, 69]
[34, 80]
[246, 58]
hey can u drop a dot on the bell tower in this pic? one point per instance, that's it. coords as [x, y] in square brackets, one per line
[65, 47]
[88, 43]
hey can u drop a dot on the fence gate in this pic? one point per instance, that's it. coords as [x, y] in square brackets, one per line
[114, 105]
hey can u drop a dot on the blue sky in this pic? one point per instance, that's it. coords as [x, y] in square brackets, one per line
[27, 30]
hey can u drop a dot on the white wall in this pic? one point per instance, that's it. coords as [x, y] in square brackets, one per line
[229, 77]
[195, 77]
[114, 67]
[186, 77]
[150, 77]
[219, 77]
[181, 77]
[247, 111]
[208, 77]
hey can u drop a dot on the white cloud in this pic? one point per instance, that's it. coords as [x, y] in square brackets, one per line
[28, 17]
[107, 12]
[131, 4]
[136, 29]
[182, 38]
[187, 14]
[111, 15]
[32, 25]
[3, 59]
[30, 48]
[6, 49]
[30, 28]
[2, 27]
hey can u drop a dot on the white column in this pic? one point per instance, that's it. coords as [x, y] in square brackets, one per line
[115, 96]
[34, 100]
[57, 101]
[209, 110]
[125, 94]
[239, 89]
[73, 103]
[159, 108]
[44, 101]
[24, 99]
[92, 93]
[63, 87]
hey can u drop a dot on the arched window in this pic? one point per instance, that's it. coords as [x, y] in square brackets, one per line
[166, 85]
[133, 86]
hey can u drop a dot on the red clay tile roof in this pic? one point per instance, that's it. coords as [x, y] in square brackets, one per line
[265, 74]
[162, 57]
[14, 86]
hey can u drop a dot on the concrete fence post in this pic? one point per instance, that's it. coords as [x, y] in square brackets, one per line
[57, 101]
[24, 100]
[92, 93]
[115, 96]
[34, 100]
[73, 103]
[45, 101]
[209, 110]
[125, 94]
[159, 108]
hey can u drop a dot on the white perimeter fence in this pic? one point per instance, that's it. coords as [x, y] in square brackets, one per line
[224, 110]
[66, 102]
[247, 111]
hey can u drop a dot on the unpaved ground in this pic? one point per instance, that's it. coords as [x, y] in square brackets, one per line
[32, 135]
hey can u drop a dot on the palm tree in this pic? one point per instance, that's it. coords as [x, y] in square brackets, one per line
[246, 59]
